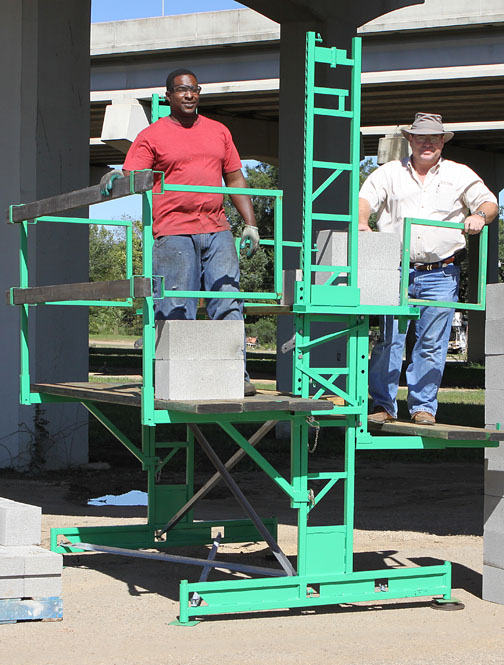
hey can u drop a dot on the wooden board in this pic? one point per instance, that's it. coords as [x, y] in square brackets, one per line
[112, 290]
[438, 431]
[128, 394]
[81, 197]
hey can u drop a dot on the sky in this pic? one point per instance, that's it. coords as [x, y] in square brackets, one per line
[108, 10]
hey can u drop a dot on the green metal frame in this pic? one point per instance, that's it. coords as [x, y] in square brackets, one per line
[482, 266]
[324, 572]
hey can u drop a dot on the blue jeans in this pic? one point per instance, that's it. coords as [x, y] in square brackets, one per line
[199, 262]
[432, 334]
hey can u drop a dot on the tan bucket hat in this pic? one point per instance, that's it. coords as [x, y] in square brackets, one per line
[427, 123]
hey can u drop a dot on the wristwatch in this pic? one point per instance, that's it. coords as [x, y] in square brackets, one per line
[481, 214]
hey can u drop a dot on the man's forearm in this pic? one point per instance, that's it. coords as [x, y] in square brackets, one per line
[243, 204]
[490, 209]
[364, 213]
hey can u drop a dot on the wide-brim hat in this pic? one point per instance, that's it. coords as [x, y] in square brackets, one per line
[427, 123]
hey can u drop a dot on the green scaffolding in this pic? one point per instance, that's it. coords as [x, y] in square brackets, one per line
[323, 571]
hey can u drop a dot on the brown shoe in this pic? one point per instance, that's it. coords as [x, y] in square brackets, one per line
[423, 418]
[379, 415]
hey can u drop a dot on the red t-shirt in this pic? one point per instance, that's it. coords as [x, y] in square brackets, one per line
[196, 155]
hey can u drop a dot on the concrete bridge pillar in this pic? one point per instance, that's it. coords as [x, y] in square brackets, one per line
[44, 111]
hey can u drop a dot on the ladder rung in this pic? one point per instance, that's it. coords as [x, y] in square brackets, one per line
[329, 217]
[332, 165]
[333, 112]
[331, 91]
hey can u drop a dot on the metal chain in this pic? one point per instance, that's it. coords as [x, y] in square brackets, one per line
[313, 423]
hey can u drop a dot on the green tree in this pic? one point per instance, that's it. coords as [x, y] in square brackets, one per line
[107, 261]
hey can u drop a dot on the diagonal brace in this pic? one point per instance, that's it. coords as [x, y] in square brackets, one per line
[216, 478]
[240, 497]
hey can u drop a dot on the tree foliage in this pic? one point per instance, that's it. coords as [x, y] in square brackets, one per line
[107, 261]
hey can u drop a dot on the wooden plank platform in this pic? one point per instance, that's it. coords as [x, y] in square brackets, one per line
[111, 290]
[143, 181]
[438, 431]
[128, 394]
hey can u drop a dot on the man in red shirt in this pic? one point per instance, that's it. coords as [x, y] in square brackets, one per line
[193, 245]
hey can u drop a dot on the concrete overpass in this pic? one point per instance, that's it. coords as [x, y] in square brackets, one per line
[447, 57]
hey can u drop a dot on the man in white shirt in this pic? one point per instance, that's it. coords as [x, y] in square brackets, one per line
[424, 186]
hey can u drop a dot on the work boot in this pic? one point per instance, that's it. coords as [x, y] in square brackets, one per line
[379, 415]
[249, 389]
[423, 418]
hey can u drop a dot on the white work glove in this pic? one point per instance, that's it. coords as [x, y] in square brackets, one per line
[250, 239]
[107, 181]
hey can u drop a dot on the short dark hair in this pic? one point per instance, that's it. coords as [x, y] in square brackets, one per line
[178, 72]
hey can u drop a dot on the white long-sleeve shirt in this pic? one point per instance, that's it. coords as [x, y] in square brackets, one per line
[449, 192]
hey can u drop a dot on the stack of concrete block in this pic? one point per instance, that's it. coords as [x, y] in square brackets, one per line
[379, 257]
[289, 278]
[198, 360]
[493, 538]
[26, 569]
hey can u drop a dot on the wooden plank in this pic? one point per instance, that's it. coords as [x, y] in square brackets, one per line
[81, 197]
[129, 394]
[112, 290]
[437, 431]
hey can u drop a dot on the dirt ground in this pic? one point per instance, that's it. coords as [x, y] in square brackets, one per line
[117, 610]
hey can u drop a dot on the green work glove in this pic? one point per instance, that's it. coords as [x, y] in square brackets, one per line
[107, 180]
[250, 239]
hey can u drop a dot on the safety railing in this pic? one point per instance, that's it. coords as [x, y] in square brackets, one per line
[482, 266]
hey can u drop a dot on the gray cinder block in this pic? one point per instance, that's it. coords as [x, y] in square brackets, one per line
[290, 277]
[494, 406]
[493, 513]
[494, 372]
[494, 478]
[493, 548]
[493, 584]
[494, 337]
[199, 340]
[379, 287]
[495, 302]
[198, 360]
[20, 523]
[378, 274]
[29, 571]
[376, 251]
[199, 379]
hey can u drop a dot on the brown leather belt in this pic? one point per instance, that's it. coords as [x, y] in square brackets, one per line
[433, 266]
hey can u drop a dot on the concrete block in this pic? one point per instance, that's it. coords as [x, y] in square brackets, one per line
[29, 571]
[20, 523]
[494, 372]
[494, 337]
[494, 474]
[493, 584]
[43, 586]
[290, 277]
[494, 457]
[199, 340]
[12, 587]
[378, 262]
[493, 548]
[495, 302]
[494, 406]
[493, 513]
[199, 379]
[199, 360]
[376, 251]
[379, 287]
